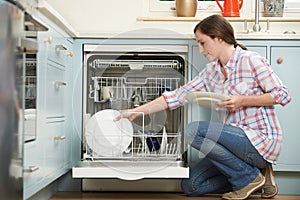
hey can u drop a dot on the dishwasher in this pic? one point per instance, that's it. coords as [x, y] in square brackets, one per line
[120, 77]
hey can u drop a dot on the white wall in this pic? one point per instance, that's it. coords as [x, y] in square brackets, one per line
[100, 17]
[109, 18]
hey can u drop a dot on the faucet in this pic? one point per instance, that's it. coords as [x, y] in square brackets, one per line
[256, 26]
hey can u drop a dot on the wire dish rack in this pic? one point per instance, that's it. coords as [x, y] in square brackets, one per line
[144, 146]
[160, 140]
[140, 89]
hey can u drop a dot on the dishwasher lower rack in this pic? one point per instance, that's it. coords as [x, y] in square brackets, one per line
[143, 146]
[149, 155]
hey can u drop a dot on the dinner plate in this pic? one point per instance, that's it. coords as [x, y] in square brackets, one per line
[107, 137]
[206, 99]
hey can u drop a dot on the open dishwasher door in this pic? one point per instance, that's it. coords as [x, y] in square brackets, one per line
[119, 78]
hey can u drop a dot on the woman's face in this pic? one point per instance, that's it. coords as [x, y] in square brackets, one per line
[208, 47]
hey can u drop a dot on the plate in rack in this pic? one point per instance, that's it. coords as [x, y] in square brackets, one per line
[107, 137]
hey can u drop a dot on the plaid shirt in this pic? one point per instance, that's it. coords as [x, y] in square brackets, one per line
[248, 73]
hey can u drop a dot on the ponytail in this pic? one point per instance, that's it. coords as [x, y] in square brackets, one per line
[240, 45]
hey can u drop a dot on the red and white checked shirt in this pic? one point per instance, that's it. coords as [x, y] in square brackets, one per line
[248, 73]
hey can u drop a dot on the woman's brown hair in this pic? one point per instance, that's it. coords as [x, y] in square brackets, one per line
[216, 26]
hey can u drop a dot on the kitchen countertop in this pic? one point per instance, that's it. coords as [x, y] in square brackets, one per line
[231, 19]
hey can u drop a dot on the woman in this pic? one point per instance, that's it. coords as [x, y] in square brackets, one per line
[250, 137]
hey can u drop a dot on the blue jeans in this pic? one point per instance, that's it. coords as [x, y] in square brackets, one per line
[231, 162]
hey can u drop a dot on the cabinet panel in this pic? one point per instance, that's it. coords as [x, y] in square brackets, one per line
[54, 148]
[198, 64]
[284, 62]
[55, 90]
[197, 113]
[54, 127]
[33, 168]
[262, 50]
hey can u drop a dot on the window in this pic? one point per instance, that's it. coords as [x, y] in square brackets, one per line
[292, 6]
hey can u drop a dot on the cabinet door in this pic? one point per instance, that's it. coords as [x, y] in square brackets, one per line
[54, 149]
[257, 46]
[55, 90]
[284, 61]
[33, 167]
[50, 156]
[262, 50]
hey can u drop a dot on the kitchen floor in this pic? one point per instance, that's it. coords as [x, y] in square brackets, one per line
[148, 196]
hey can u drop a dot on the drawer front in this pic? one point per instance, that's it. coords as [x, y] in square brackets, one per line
[55, 90]
[54, 148]
[33, 170]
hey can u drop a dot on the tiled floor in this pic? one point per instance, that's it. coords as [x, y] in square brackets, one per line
[148, 196]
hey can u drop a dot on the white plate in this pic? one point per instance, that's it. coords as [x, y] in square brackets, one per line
[107, 137]
[206, 99]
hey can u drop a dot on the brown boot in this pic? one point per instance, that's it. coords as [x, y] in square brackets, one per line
[246, 191]
[270, 188]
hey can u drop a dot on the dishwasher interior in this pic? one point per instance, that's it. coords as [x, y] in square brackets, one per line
[114, 82]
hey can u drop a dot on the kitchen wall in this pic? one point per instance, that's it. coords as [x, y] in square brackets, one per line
[102, 18]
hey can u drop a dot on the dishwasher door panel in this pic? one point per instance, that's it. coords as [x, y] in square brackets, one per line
[130, 170]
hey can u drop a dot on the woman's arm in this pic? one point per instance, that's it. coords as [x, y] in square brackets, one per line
[272, 90]
[247, 101]
[154, 106]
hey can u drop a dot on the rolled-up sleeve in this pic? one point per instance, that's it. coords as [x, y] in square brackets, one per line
[269, 81]
[281, 95]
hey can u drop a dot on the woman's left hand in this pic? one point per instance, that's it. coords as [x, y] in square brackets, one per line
[232, 104]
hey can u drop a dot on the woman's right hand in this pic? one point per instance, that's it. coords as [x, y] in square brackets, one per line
[129, 114]
[154, 106]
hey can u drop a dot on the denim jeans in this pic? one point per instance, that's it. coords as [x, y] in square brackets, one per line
[231, 162]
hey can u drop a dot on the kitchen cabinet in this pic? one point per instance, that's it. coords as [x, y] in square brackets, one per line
[284, 60]
[33, 167]
[54, 148]
[283, 56]
[49, 156]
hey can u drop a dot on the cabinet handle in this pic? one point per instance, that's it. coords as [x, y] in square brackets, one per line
[60, 47]
[49, 40]
[59, 83]
[279, 60]
[69, 54]
[31, 169]
[59, 137]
